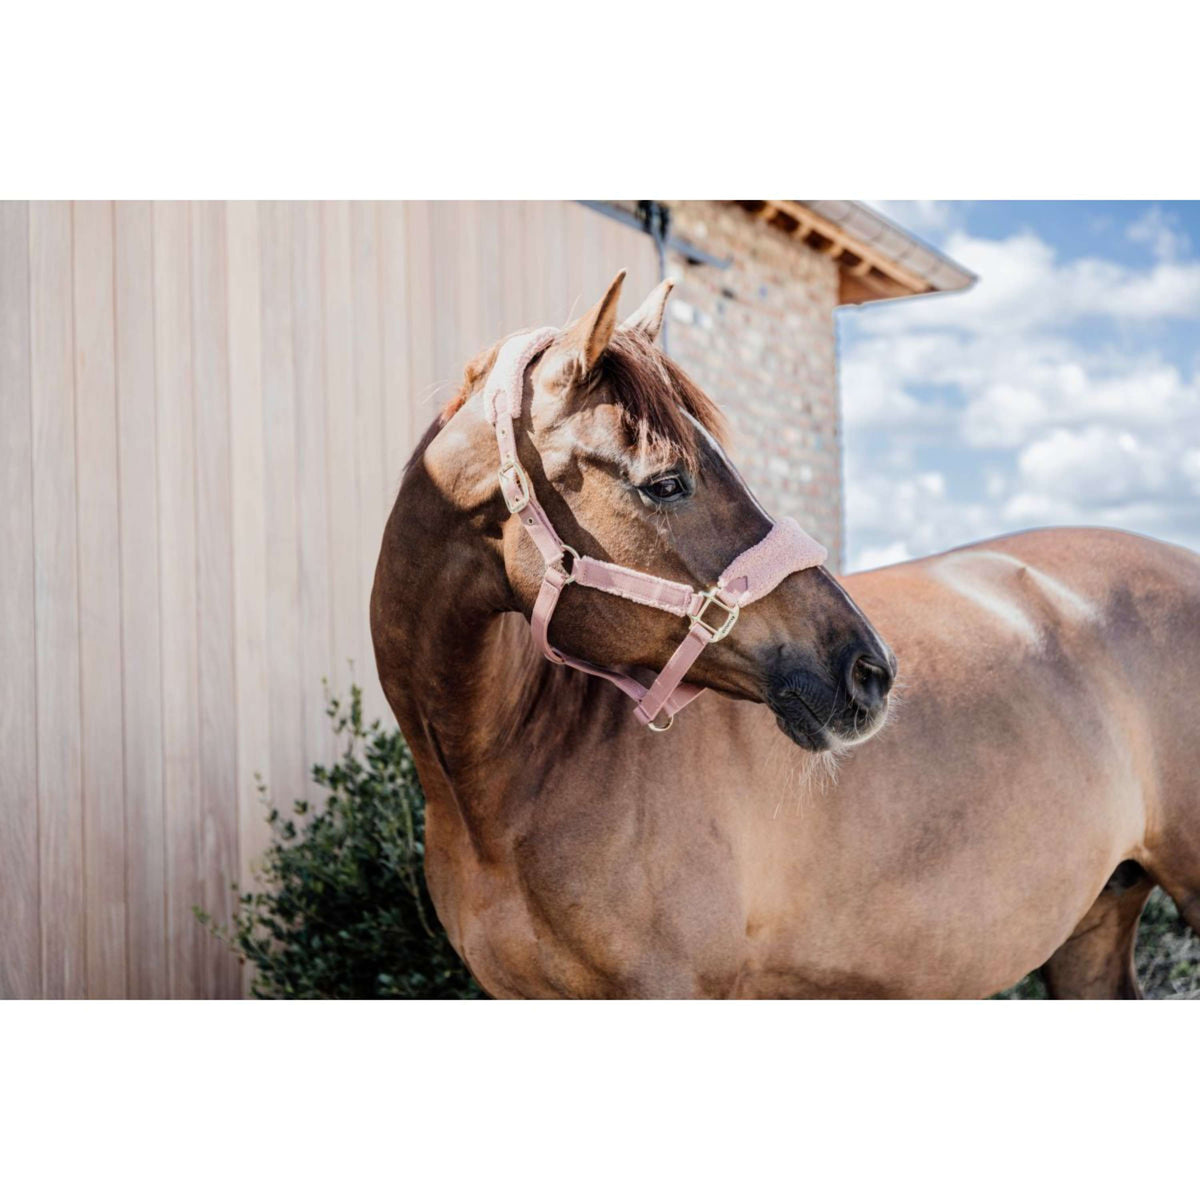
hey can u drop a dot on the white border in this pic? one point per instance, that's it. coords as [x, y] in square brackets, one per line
[447, 1099]
[534, 100]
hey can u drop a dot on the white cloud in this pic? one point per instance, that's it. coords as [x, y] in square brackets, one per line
[1190, 466]
[1022, 286]
[921, 216]
[913, 512]
[1169, 290]
[1009, 387]
[1029, 394]
[1094, 466]
[880, 400]
[870, 557]
[1062, 424]
[1160, 231]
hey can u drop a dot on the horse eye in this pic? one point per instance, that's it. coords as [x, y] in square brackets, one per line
[669, 487]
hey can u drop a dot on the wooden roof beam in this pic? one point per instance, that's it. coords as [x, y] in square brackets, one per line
[912, 284]
[867, 271]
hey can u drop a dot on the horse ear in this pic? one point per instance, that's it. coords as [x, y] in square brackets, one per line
[649, 317]
[588, 338]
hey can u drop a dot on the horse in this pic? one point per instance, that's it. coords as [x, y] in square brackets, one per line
[986, 776]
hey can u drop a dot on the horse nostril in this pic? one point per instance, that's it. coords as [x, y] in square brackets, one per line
[868, 680]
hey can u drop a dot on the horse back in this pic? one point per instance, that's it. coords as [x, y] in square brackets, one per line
[1094, 622]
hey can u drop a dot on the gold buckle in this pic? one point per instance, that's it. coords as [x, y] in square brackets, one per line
[522, 480]
[731, 615]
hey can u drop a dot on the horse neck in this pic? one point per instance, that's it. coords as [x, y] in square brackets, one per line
[483, 711]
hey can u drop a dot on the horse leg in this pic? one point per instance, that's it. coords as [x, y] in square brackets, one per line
[1176, 869]
[1096, 961]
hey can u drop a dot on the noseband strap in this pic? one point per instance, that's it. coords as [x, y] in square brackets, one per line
[711, 614]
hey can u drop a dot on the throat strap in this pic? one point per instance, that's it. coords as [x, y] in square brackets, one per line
[711, 614]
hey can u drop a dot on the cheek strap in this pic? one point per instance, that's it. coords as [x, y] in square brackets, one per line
[711, 614]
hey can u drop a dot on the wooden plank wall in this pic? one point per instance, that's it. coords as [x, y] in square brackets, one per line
[204, 412]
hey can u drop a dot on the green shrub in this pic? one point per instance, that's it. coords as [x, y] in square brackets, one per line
[340, 909]
[1168, 952]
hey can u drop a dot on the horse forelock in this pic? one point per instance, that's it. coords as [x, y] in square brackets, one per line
[663, 409]
[660, 404]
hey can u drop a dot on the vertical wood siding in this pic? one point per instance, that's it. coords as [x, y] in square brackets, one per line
[20, 887]
[204, 413]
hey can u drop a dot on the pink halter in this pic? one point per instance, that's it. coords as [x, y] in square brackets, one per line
[711, 614]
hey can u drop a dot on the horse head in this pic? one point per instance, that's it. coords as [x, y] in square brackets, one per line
[625, 456]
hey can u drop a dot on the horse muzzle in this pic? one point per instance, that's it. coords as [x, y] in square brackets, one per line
[832, 709]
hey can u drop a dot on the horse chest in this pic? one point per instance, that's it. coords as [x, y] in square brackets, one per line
[606, 908]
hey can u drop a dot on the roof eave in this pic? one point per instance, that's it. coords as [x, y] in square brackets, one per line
[877, 260]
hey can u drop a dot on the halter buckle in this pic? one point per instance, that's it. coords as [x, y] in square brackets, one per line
[513, 472]
[731, 616]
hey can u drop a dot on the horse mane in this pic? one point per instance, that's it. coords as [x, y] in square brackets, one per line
[663, 410]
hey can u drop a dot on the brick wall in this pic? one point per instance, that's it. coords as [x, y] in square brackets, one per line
[759, 338]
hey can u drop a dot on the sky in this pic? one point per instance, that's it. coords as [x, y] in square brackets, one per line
[1063, 388]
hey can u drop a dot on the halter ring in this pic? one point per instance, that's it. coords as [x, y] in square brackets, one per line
[662, 728]
[575, 557]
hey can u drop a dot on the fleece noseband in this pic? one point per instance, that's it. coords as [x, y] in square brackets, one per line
[711, 614]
